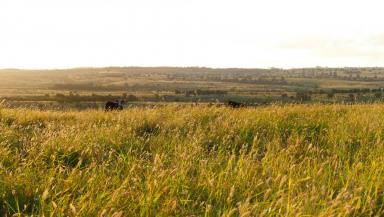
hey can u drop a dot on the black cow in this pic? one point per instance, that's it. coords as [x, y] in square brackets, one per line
[110, 106]
[235, 104]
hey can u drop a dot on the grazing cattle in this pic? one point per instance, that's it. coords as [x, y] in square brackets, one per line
[117, 105]
[234, 104]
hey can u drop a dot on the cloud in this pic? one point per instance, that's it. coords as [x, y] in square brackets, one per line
[378, 40]
[336, 46]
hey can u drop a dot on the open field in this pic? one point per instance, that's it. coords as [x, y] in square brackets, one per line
[302, 160]
[83, 88]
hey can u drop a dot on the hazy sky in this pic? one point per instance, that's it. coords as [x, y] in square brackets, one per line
[214, 33]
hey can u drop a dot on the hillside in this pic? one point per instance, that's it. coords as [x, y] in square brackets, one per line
[194, 161]
[84, 87]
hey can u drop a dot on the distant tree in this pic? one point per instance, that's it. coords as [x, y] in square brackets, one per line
[303, 96]
[330, 95]
[157, 96]
[60, 95]
[352, 97]
[132, 98]
[282, 80]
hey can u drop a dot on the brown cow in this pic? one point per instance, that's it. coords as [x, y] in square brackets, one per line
[235, 104]
[116, 105]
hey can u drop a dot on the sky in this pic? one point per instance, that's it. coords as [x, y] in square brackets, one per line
[209, 33]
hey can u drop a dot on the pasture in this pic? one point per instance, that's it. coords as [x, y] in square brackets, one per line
[292, 160]
[85, 88]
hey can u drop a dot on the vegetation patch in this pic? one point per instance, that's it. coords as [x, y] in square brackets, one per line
[289, 160]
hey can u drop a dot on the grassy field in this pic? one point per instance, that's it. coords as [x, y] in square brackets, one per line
[302, 160]
[82, 88]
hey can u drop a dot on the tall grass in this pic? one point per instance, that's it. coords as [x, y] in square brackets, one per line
[299, 160]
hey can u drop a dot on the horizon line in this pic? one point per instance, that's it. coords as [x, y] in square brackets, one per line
[170, 66]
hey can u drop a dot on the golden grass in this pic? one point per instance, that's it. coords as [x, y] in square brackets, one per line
[304, 160]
